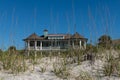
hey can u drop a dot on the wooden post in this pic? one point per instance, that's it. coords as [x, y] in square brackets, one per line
[85, 44]
[80, 44]
[28, 45]
[35, 45]
[73, 44]
[41, 45]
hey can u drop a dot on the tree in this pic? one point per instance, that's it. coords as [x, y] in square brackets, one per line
[12, 49]
[1, 51]
[105, 41]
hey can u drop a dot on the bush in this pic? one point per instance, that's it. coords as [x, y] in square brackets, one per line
[105, 41]
[12, 49]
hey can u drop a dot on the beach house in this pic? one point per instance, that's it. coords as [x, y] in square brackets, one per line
[55, 41]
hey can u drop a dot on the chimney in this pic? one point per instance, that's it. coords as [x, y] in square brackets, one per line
[45, 33]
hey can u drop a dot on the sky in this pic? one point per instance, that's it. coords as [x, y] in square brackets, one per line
[90, 18]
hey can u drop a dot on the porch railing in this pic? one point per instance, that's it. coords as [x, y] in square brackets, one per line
[45, 48]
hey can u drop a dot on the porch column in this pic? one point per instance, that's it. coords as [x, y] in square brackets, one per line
[80, 44]
[73, 44]
[28, 45]
[25, 44]
[85, 44]
[35, 45]
[41, 45]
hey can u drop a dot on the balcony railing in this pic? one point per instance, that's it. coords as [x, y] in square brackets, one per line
[44, 48]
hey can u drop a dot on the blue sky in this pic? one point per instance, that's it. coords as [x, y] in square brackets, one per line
[93, 18]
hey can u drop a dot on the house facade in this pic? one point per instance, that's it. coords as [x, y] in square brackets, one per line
[54, 41]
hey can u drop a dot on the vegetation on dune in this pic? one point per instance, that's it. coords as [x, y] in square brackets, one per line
[84, 76]
[61, 70]
[105, 41]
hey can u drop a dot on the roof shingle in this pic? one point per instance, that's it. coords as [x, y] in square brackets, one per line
[77, 35]
[33, 36]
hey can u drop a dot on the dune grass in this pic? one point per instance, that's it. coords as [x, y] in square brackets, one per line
[15, 62]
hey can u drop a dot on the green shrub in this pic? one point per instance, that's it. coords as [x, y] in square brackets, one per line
[42, 69]
[110, 65]
[60, 71]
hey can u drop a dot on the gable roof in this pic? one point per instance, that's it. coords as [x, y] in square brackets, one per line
[68, 36]
[77, 35]
[33, 36]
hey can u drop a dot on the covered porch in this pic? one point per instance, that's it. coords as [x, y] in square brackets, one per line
[55, 44]
[44, 45]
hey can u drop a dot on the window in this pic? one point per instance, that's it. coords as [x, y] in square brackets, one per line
[32, 43]
[38, 43]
